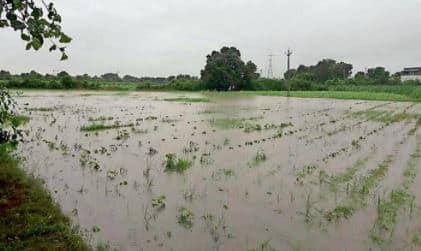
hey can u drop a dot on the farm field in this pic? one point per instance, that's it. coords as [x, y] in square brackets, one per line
[193, 171]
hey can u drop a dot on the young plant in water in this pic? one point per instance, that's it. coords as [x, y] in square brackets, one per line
[172, 163]
[258, 159]
[159, 203]
[185, 217]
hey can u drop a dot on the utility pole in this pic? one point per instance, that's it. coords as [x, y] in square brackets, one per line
[270, 66]
[288, 53]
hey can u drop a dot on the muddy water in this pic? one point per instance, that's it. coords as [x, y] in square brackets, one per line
[107, 183]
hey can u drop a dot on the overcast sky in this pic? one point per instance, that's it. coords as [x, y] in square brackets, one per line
[165, 37]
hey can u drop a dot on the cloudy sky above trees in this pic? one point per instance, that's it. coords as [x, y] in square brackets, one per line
[166, 37]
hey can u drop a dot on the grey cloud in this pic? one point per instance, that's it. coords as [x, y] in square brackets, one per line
[164, 37]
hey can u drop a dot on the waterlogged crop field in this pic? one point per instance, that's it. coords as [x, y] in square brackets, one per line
[174, 171]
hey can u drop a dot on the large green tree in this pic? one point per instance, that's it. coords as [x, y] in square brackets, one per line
[225, 70]
[326, 69]
[36, 21]
[379, 75]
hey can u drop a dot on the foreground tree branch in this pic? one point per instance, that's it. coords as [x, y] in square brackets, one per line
[36, 21]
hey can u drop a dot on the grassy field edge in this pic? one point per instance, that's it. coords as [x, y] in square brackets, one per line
[355, 95]
[344, 95]
[29, 218]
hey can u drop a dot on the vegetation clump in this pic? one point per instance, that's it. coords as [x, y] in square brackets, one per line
[101, 118]
[100, 127]
[159, 203]
[174, 164]
[258, 159]
[185, 217]
[188, 100]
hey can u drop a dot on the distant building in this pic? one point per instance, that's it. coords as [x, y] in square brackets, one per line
[411, 73]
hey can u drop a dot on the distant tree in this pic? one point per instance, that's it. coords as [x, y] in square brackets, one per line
[69, 83]
[36, 22]
[360, 75]
[225, 70]
[290, 73]
[343, 70]
[185, 77]
[83, 77]
[379, 75]
[129, 78]
[63, 74]
[111, 77]
[5, 75]
[326, 69]
[251, 71]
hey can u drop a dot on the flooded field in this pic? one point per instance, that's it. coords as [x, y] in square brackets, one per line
[175, 171]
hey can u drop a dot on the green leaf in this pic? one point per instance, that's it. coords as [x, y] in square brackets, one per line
[17, 25]
[64, 57]
[28, 46]
[18, 4]
[11, 16]
[3, 23]
[25, 37]
[53, 48]
[36, 43]
[36, 13]
[65, 39]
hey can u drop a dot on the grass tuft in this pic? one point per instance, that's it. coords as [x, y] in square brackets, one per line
[174, 164]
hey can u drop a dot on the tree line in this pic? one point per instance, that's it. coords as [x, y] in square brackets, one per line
[224, 70]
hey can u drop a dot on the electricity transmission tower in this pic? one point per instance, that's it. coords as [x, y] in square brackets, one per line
[270, 65]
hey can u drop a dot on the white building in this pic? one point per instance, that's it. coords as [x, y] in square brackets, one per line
[411, 73]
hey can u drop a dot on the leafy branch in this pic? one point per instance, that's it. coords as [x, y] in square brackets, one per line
[36, 23]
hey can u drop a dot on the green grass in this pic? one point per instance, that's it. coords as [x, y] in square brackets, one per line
[188, 100]
[29, 218]
[344, 177]
[226, 123]
[359, 192]
[388, 209]
[100, 118]
[359, 95]
[19, 120]
[265, 246]
[185, 218]
[172, 163]
[41, 109]
[386, 116]
[100, 126]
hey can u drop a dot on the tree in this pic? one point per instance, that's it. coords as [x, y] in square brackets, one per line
[130, 78]
[111, 77]
[4, 75]
[225, 70]
[359, 75]
[379, 75]
[326, 69]
[290, 73]
[35, 23]
[63, 74]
